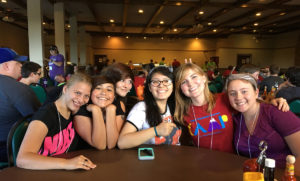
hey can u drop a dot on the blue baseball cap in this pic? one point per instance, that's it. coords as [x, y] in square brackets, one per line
[7, 54]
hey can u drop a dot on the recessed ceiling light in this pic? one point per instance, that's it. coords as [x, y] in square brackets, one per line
[3, 1]
[255, 24]
[44, 23]
[196, 38]
[201, 12]
[162, 38]
[145, 37]
[111, 20]
[108, 36]
[244, 5]
[258, 14]
[140, 11]
[254, 31]
[282, 13]
[68, 25]
[214, 30]
[127, 37]
[178, 3]
[209, 23]
[175, 29]
[161, 22]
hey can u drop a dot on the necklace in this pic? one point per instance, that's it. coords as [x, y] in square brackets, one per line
[249, 135]
[212, 133]
[60, 138]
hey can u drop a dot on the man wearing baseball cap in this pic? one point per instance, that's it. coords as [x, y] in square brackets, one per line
[17, 99]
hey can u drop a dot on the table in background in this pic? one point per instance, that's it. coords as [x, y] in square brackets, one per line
[170, 163]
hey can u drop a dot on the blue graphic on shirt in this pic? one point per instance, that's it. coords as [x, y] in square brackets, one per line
[213, 124]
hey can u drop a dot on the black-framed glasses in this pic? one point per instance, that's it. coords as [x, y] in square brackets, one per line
[157, 83]
[38, 73]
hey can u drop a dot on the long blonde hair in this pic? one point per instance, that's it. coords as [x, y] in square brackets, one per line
[183, 102]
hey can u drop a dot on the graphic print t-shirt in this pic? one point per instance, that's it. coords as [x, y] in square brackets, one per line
[137, 117]
[213, 130]
[61, 136]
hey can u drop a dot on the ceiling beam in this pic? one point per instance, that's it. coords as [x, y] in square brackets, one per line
[249, 13]
[185, 14]
[223, 11]
[91, 8]
[125, 12]
[153, 18]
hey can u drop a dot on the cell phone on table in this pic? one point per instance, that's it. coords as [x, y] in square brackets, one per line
[146, 153]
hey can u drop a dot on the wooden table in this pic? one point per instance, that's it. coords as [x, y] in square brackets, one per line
[170, 163]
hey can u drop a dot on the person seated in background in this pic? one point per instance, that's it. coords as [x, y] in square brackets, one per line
[31, 74]
[96, 122]
[217, 81]
[162, 62]
[138, 83]
[230, 70]
[250, 69]
[51, 131]
[151, 121]
[71, 68]
[175, 64]
[290, 89]
[272, 81]
[17, 99]
[257, 121]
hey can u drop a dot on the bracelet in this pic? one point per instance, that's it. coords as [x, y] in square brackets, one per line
[155, 131]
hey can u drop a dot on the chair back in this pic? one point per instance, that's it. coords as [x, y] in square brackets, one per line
[295, 106]
[40, 92]
[15, 138]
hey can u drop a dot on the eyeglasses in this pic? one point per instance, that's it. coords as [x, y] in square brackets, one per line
[157, 83]
[38, 73]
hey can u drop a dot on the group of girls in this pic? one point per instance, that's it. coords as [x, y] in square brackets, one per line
[233, 121]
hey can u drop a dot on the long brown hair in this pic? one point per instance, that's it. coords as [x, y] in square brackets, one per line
[183, 102]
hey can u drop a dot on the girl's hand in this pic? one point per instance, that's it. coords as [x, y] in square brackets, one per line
[79, 162]
[281, 104]
[92, 107]
[165, 128]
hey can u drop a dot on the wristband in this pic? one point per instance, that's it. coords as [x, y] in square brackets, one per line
[155, 131]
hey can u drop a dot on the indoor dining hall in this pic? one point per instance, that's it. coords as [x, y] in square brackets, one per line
[129, 89]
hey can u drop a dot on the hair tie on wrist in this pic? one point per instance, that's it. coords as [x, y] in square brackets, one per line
[155, 131]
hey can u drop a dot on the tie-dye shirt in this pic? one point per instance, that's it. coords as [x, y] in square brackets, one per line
[215, 130]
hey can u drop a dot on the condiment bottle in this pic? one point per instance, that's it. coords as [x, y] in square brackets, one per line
[269, 169]
[289, 169]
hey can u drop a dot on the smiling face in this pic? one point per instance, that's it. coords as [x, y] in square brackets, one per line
[103, 95]
[123, 87]
[164, 89]
[242, 95]
[77, 95]
[193, 84]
